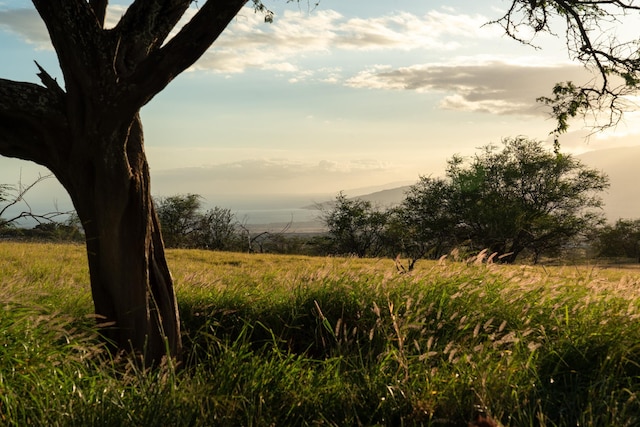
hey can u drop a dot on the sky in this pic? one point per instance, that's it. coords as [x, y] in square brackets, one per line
[346, 95]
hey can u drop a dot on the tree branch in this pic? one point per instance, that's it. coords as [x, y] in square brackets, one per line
[76, 35]
[18, 197]
[144, 28]
[30, 117]
[18, 194]
[183, 50]
[616, 65]
[49, 82]
[100, 10]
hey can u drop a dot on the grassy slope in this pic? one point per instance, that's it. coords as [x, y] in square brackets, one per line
[287, 340]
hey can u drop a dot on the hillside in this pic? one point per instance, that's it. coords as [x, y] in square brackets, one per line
[621, 164]
[382, 198]
[622, 200]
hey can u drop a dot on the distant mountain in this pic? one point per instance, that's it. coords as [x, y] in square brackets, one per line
[366, 191]
[384, 198]
[622, 200]
[622, 165]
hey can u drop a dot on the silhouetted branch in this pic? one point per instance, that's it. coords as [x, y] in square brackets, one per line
[13, 195]
[615, 63]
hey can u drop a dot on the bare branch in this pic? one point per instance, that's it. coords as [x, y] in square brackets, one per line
[616, 64]
[75, 34]
[49, 81]
[15, 195]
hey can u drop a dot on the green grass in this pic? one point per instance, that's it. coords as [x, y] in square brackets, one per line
[297, 341]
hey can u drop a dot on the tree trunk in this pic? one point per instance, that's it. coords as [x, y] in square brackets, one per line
[90, 136]
[130, 281]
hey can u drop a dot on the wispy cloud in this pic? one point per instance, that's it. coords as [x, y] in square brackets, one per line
[497, 87]
[26, 23]
[250, 43]
[406, 31]
[468, 84]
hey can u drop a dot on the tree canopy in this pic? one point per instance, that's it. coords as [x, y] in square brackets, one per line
[355, 227]
[186, 225]
[522, 197]
[621, 239]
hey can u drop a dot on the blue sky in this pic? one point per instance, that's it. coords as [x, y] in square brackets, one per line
[346, 95]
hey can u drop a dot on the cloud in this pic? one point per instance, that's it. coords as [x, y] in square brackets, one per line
[406, 31]
[276, 169]
[476, 84]
[491, 86]
[26, 23]
[250, 43]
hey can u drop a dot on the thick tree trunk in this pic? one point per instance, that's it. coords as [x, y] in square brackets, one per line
[90, 136]
[131, 284]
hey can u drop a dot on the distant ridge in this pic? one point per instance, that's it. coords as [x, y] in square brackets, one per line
[386, 198]
[621, 164]
[383, 198]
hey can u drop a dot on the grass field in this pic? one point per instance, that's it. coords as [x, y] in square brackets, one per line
[298, 341]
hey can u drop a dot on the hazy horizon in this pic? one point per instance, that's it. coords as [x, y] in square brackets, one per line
[621, 200]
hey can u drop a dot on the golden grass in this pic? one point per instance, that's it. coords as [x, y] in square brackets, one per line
[31, 269]
[520, 340]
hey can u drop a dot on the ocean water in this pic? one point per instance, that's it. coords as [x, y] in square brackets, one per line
[302, 220]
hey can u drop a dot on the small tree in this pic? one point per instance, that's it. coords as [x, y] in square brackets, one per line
[216, 229]
[355, 227]
[422, 226]
[184, 225]
[619, 240]
[179, 217]
[523, 197]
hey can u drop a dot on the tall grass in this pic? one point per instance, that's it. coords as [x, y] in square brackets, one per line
[287, 340]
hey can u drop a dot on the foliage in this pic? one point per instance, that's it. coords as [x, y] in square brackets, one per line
[619, 240]
[291, 340]
[185, 225]
[216, 229]
[179, 217]
[355, 227]
[520, 198]
[46, 231]
[422, 225]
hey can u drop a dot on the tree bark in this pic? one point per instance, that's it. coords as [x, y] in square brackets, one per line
[102, 165]
[131, 284]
